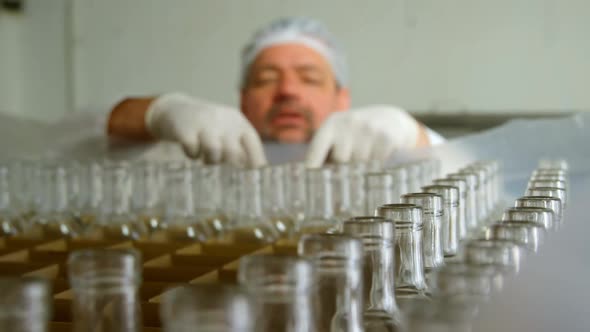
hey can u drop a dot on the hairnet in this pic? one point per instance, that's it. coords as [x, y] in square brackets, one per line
[300, 30]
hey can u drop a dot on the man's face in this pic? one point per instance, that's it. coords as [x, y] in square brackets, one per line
[289, 92]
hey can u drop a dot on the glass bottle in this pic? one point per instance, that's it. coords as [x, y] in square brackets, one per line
[534, 183]
[283, 289]
[295, 190]
[378, 191]
[547, 163]
[105, 290]
[432, 212]
[207, 308]
[506, 256]
[25, 185]
[400, 182]
[74, 172]
[180, 220]
[461, 185]
[378, 235]
[471, 204]
[551, 203]
[498, 184]
[414, 171]
[467, 284]
[409, 273]
[527, 234]
[319, 210]
[481, 192]
[54, 215]
[551, 177]
[89, 199]
[338, 261]
[539, 216]
[146, 202]
[488, 170]
[357, 184]
[551, 173]
[493, 170]
[230, 193]
[10, 221]
[25, 304]
[207, 194]
[551, 192]
[450, 214]
[273, 200]
[114, 215]
[341, 190]
[251, 225]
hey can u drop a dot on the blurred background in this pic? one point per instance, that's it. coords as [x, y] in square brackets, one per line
[458, 65]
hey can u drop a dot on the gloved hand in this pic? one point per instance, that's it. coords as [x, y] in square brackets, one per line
[368, 133]
[217, 133]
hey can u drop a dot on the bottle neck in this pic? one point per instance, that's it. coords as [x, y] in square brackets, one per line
[146, 186]
[116, 190]
[379, 267]
[54, 190]
[179, 200]
[379, 191]
[273, 191]
[207, 188]
[341, 194]
[296, 193]
[90, 195]
[319, 200]
[409, 257]
[345, 301]
[250, 195]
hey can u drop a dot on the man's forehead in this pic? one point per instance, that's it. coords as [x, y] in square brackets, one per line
[290, 56]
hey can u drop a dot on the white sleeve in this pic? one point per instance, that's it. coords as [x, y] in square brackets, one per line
[434, 137]
[83, 135]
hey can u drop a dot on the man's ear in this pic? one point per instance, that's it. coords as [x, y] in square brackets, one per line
[342, 99]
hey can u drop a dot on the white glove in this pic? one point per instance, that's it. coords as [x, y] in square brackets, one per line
[368, 133]
[217, 133]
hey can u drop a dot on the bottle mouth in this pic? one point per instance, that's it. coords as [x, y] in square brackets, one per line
[375, 242]
[105, 283]
[368, 218]
[280, 288]
[104, 269]
[433, 213]
[406, 226]
[334, 263]
[398, 206]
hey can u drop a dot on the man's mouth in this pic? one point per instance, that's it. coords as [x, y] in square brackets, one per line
[288, 118]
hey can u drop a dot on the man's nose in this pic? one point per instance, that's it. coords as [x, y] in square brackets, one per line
[288, 87]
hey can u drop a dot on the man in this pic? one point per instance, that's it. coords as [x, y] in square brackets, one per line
[293, 89]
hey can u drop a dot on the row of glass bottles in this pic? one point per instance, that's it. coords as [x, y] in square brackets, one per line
[350, 281]
[188, 201]
[495, 253]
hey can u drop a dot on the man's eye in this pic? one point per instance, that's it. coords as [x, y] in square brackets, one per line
[313, 80]
[265, 78]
